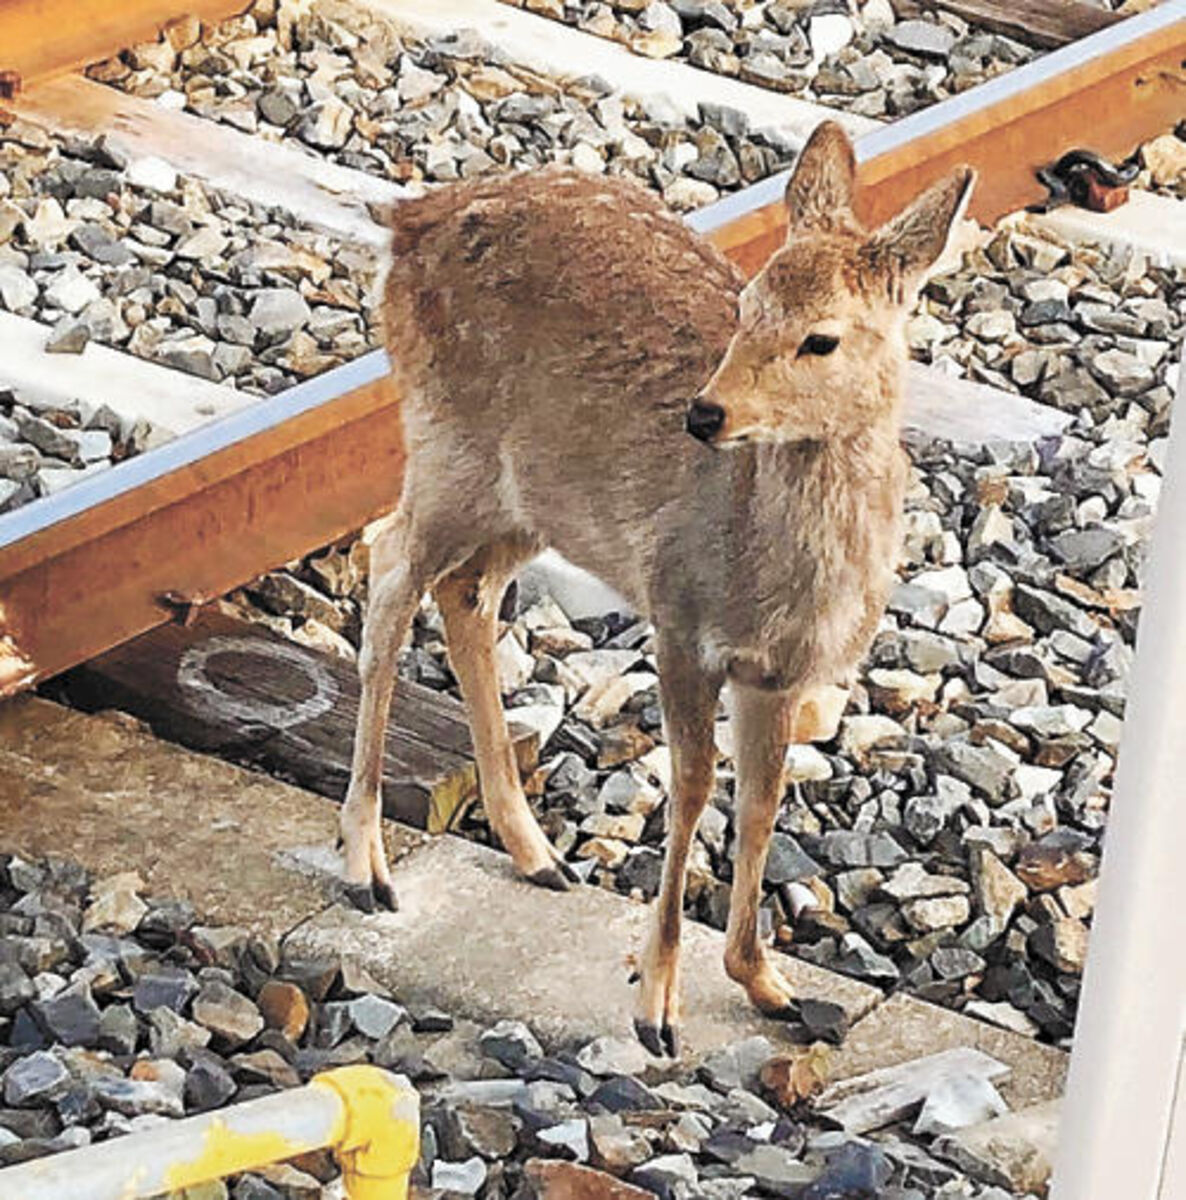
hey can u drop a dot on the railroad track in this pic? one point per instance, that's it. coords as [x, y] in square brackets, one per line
[305, 450]
[314, 463]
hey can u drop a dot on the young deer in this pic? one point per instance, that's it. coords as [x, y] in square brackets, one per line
[555, 338]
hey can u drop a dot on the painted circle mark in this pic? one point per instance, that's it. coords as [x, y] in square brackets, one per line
[206, 697]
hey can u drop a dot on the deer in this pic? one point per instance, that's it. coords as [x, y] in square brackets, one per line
[580, 370]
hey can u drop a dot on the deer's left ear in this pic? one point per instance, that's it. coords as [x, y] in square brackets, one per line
[908, 245]
[819, 191]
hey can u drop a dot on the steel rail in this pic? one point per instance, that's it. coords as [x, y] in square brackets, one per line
[86, 30]
[1133, 75]
[104, 561]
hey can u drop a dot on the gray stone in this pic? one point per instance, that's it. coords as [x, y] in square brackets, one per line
[511, 1043]
[37, 1078]
[18, 291]
[326, 125]
[957, 1102]
[136, 1097]
[775, 1169]
[231, 1017]
[786, 862]
[464, 1178]
[856, 1170]
[925, 38]
[666, 1175]
[851, 848]
[279, 311]
[374, 1017]
[737, 1066]
[16, 988]
[118, 1031]
[71, 1017]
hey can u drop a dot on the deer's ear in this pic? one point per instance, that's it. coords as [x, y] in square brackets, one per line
[820, 188]
[908, 245]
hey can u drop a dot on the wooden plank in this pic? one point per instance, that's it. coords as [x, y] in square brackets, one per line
[86, 569]
[280, 175]
[41, 38]
[1047, 23]
[1131, 78]
[238, 690]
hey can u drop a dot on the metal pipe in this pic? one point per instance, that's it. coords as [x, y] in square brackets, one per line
[1117, 1118]
[367, 1116]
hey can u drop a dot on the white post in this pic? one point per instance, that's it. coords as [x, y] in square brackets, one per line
[1117, 1117]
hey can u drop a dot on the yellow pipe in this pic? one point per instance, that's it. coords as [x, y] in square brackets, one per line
[368, 1117]
[379, 1139]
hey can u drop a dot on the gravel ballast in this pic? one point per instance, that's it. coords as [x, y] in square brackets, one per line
[120, 1012]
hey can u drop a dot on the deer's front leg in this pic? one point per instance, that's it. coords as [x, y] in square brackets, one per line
[762, 722]
[689, 698]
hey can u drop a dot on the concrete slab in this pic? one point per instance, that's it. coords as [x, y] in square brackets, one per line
[247, 850]
[560, 51]
[278, 175]
[903, 1029]
[474, 940]
[971, 413]
[1151, 224]
[171, 400]
[104, 792]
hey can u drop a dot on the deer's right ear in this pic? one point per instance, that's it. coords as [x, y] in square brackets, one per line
[908, 245]
[820, 189]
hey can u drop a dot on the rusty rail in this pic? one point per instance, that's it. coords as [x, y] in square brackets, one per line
[1110, 92]
[112, 557]
[86, 30]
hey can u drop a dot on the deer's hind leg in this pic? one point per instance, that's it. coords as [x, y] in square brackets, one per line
[399, 576]
[469, 597]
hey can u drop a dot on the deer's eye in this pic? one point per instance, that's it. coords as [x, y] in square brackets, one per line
[818, 343]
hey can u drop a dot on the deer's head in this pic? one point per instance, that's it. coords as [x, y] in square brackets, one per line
[820, 347]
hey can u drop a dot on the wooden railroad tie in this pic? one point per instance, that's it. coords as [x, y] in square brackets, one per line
[239, 691]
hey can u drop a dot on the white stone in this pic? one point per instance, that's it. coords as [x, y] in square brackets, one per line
[71, 292]
[805, 763]
[957, 1102]
[515, 665]
[17, 290]
[152, 173]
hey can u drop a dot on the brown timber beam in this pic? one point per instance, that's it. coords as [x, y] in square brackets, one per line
[1049, 23]
[42, 38]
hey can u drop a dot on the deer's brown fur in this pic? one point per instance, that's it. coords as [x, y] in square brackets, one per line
[551, 334]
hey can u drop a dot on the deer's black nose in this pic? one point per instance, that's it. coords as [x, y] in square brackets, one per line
[705, 420]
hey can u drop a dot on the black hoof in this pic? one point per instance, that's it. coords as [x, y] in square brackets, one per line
[552, 878]
[671, 1042]
[568, 872]
[789, 1013]
[658, 1041]
[385, 896]
[360, 895]
[648, 1034]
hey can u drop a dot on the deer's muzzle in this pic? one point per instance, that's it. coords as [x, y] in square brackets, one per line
[705, 420]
